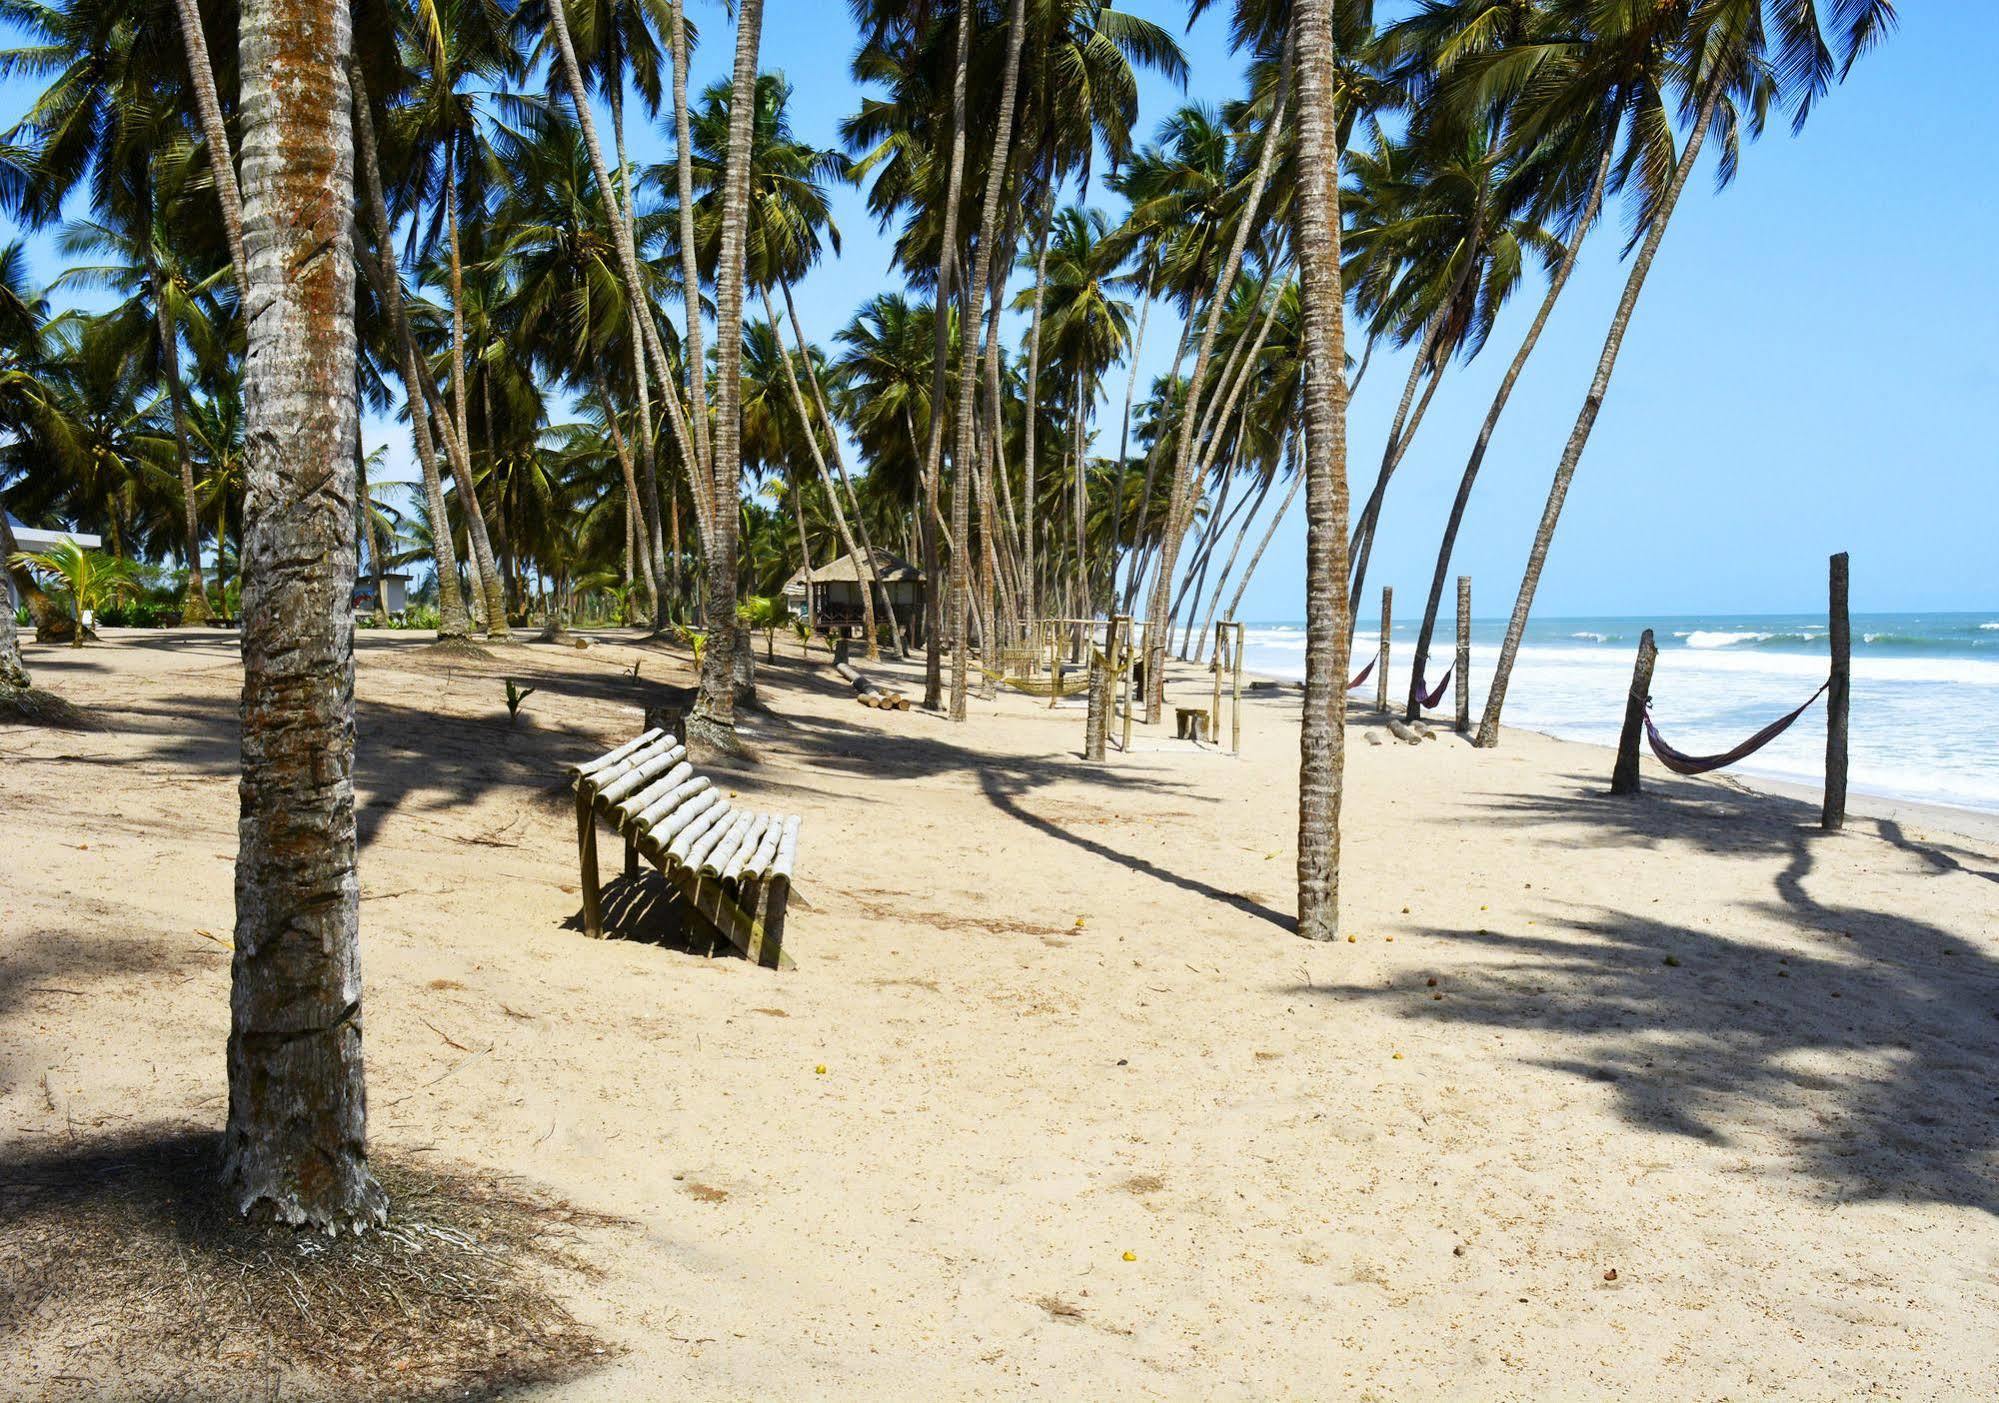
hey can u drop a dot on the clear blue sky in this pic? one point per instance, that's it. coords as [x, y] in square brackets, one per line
[1812, 367]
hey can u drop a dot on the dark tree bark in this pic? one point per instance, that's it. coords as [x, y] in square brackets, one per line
[295, 1149]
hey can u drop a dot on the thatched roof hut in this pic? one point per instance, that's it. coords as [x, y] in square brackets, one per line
[829, 597]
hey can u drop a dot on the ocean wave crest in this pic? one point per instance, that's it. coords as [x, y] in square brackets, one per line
[1708, 638]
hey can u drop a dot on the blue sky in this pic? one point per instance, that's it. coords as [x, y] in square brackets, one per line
[1812, 366]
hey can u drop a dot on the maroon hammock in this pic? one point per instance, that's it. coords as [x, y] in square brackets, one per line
[1681, 763]
[1365, 672]
[1430, 699]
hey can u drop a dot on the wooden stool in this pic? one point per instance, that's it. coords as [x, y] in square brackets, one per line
[1190, 723]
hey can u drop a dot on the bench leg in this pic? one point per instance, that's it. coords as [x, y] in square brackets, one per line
[631, 856]
[586, 852]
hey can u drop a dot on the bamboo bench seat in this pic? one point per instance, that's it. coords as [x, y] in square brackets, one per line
[732, 868]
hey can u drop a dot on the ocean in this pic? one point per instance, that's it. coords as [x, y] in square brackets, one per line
[1925, 718]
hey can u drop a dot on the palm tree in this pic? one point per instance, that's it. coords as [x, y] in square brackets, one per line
[295, 1149]
[1719, 56]
[84, 580]
[167, 300]
[715, 710]
[1316, 245]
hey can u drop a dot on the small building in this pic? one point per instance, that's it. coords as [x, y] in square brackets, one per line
[32, 542]
[395, 594]
[828, 597]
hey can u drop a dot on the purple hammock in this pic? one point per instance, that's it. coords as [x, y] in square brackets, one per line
[1430, 699]
[1681, 763]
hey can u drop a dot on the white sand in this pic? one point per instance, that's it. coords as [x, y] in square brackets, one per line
[1063, 1019]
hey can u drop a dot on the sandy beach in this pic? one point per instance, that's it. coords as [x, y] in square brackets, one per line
[1667, 1098]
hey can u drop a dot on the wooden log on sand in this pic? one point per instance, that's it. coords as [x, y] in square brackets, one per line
[866, 691]
[1403, 731]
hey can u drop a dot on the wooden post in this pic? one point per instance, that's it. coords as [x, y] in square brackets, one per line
[1215, 706]
[1837, 698]
[1096, 724]
[1128, 658]
[586, 852]
[1464, 655]
[1381, 665]
[1624, 778]
[1235, 698]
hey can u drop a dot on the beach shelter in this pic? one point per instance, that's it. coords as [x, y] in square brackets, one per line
[828, 597]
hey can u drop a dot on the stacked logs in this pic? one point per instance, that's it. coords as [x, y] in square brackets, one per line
[866, 691]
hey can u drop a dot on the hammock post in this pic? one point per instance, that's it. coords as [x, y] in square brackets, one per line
[1096, 725]
[1464, 655]
[1838, 685]
[1130, 676]
[1235, 698]
[1381, 679]
[1624, 778]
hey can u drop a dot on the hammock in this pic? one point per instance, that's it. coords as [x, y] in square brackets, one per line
[1430, 699]
[1060, 685]
[1365, 673]
[1683, 764]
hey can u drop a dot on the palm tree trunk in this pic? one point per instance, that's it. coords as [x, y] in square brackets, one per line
[1316, 237]
[947, 258]
[690, 273]
[716, 710]
[1135, 576]
[295, 1149]
[1228, 565]
[1556, 283]
[1031, 499]
[1123, 448]
[222, 164]
[1081, 504]
[1572, 452]
[970, 332]
[1249, 573]
[867, 555]
[386, 279]
[1177, 502]
[457, 309]
[13, 673]
[1361, 546]
[368, 536]
[625, 242]
[194, 602]
[864, 565]
[638, 521]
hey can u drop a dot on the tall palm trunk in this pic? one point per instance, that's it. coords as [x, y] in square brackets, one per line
[639, 524]
[386, 280]
[13, 673]
[970, 332]
[295, 1149]
[625, 243]
[1228, 565]
[1361, 546]
[690, 273]
[194, 602]
[1572, 452]
[201, 71]
[864, 566]
[1124, 448]
[716, 709]
[1316, 237]
[1556, 283]
[1178, 501]
[367, 537]
[1140, 554]
[1270, 531]
[457, 304]
[947, 258]
[1031, 497]
[846, 483]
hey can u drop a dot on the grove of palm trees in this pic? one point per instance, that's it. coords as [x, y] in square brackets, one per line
[405, 403]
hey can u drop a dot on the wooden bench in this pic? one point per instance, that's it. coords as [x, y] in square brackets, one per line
[1190, 723]
[732, 868]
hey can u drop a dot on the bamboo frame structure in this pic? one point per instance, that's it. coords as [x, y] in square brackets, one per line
[1228, 658]
[731, 868]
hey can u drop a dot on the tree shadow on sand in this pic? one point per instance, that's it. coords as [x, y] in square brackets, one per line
[126, 1268]
[1870, 1055]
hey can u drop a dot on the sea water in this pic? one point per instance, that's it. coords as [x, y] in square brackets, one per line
[1925, 699]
